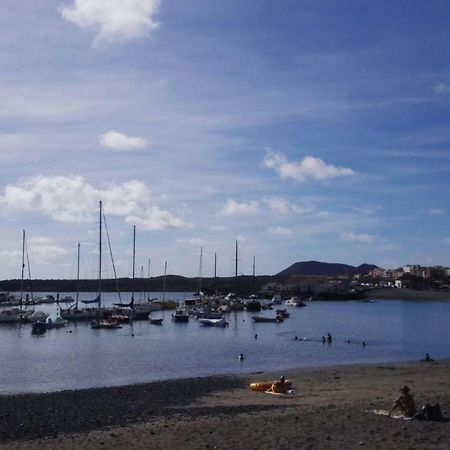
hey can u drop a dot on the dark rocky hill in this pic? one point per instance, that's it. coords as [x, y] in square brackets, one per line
[323, 269]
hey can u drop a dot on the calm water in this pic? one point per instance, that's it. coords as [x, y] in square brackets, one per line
[78, 356]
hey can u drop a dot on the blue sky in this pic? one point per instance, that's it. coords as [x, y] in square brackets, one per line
[304, 129]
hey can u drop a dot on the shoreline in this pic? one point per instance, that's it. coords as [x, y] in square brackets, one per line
[405, 294]
[217, 411]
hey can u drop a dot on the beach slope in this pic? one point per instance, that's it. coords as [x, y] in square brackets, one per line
[331, 410]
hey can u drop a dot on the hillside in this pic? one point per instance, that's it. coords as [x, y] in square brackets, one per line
[317, 268]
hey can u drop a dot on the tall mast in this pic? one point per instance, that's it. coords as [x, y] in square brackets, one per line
[215, 265]
[23, 267]
[78, 273]
[200, 272]
[254, 265]
[134, 261]
[100, 256]
[148, 282]
[236, 264]
[164, 282]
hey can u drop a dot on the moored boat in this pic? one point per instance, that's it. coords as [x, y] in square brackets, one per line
[155, 321]
[58, 322]
[295, 301]
[180, 316]
[213, 322]
[106, 324]
[276, 319]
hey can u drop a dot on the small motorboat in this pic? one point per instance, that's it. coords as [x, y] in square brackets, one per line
[283, 313]
[295, 301]
[213, 322]
[120, 318]
[38, 328]
[276, 319]
[155, 321]
[56, 323]
[106, 324]
[180, 316]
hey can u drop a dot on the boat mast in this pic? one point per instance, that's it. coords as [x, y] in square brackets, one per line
[254, 280]
[200, 272]
[78, 274]
[23, 268]
[134, 261]
[148, 282]
[164, 281]
[236, 266]
[215, 265]
[100, 257]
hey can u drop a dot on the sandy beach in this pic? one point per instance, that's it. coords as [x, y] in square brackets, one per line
[331, 409]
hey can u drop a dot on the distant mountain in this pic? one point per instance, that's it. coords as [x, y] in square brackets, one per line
[317, 268]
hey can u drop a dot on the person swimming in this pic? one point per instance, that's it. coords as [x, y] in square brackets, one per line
[241, 356]
[329, 338]
[427, 358]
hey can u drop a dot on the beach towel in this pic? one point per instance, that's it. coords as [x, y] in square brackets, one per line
[289, 394]
[384, 412]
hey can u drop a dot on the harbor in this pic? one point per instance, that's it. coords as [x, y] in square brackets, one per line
[79, 356]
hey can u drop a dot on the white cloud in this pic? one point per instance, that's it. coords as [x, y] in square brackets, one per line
[234, 209]
[217, 228]
[282, 206]
[114, 20]
[359, 238]
[155, 218]
[72, 199]
[41, 250]
[279, 231]
[309, 168]
[44, 250]
[119, 141]
[441, 88]
[435, 211]
[195, 242]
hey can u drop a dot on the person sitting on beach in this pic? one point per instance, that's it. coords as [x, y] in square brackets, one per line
[427, 358]
[280, 386]
[404, 403]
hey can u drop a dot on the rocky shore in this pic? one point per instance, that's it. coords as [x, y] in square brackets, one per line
[330, 410]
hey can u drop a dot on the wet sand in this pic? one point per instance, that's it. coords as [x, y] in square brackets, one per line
[329, 411]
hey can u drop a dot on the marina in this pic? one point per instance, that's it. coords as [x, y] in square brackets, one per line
[79, 356]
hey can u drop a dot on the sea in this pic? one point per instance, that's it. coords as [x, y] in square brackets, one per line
[78, 356]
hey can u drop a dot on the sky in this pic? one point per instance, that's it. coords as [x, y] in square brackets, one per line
[304, 129]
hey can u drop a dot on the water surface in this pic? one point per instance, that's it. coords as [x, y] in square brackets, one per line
[79, 357]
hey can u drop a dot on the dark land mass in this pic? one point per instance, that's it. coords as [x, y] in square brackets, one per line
[174, 283]
[317, 268]
[244, 284]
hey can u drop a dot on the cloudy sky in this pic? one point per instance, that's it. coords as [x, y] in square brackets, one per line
[306, 129]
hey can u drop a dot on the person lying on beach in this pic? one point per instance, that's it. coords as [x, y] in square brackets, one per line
[280, 386]
[404, 403]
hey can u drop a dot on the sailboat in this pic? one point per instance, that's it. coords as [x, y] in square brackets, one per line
[15, 314]
[98, 299]
[131, 303]
[73, 312]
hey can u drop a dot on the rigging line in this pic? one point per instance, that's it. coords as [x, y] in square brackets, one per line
[112, 258]
[29, 269]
